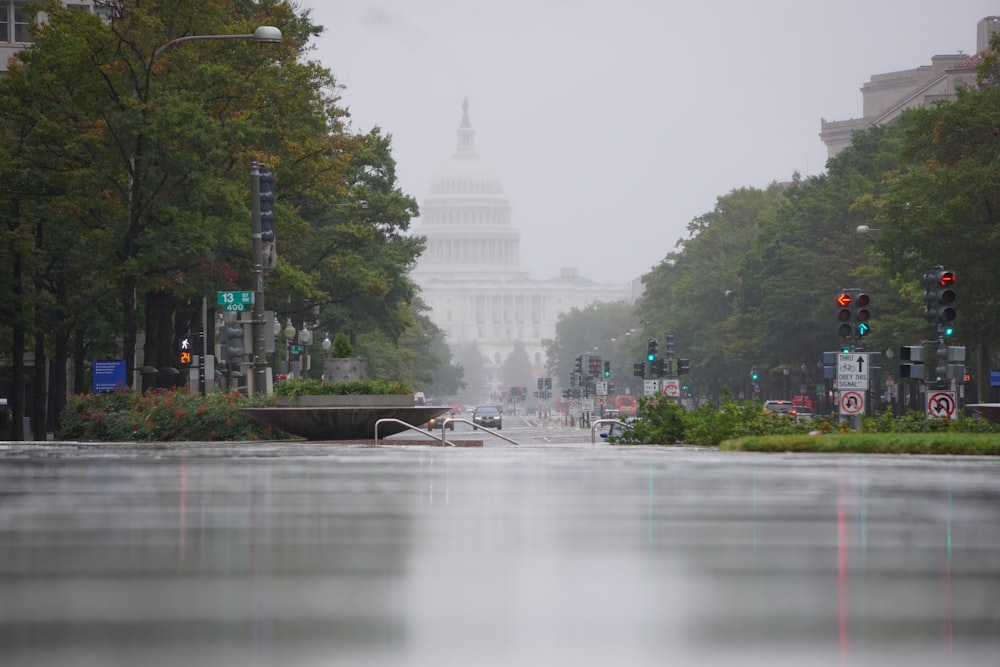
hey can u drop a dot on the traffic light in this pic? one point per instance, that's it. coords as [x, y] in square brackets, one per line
[683, 366]
[657, 368]
[753, 373]
[607, 369]
[639, 369]
[234, 348]
[184, 352]
[669, 346]
[548, 383]
[267, 215]
[862, 313]
[844, 315]
[578, 365]
[940, 298]
[651, 350]
[541, 384]
[595, 366]
[911, 362]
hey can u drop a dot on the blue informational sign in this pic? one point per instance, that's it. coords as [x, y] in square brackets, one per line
[995, 378]
[109, 375]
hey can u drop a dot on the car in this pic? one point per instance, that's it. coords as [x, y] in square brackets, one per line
[781, 408]
[438, 422]
[487, 415]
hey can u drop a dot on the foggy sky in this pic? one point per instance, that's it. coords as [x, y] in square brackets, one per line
[612, 124]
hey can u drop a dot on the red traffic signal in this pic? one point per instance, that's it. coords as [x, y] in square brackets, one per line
[844, 315]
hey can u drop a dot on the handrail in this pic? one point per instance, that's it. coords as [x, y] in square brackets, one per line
[448, 420]
[410, 427]
[593, 427]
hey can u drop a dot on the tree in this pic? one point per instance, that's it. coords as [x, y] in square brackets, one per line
[941, 207]
[608, 327]
[515, 371]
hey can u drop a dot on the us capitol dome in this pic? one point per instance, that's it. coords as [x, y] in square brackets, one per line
[470, 274]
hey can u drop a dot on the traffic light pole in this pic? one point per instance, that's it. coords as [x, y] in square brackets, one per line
[259, 342]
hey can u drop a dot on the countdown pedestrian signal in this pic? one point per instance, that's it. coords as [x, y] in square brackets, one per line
[184, 353]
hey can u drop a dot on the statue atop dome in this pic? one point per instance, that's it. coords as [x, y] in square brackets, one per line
[465, 113]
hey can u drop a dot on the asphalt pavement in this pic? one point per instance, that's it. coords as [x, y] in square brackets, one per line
[300, 553]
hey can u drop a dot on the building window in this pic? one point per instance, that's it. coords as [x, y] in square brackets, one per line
[14, 17]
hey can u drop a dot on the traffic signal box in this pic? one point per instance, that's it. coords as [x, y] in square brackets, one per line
[651, 350]
[911, 362]
[853, 313]
[939, 298]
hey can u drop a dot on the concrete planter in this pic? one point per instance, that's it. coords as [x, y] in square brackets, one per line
[351, 401]
[345, 369]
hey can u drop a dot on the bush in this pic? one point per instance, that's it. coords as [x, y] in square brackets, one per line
[308, 387]
[166, 415]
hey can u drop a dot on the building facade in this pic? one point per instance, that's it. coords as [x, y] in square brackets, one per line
[886, 96]
[15, 28]
[470, 273]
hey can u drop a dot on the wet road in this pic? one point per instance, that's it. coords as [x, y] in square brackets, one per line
[556, 554]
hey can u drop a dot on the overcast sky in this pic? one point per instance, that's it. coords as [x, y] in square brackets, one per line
[613, 123]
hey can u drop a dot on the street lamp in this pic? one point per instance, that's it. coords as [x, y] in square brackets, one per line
[289, 337]
[265, 34]
[305, 339]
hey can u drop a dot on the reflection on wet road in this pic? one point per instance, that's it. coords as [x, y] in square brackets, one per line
[311, 554]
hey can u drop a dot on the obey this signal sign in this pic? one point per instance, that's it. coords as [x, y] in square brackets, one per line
[852, 371]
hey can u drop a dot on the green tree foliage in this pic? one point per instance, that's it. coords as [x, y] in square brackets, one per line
[942, 207]
[515, 371]
[608, 327]
[125, 197]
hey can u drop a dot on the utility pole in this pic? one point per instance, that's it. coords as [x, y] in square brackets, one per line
[259, 341]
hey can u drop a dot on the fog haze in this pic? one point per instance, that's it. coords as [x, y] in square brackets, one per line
[613, 124]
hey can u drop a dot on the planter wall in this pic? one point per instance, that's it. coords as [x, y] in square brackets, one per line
[345, 370]
[351, 401]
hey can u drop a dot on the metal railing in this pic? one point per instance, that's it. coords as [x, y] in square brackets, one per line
[597, 422]
[444, 427]
[448, 420]
[410, 427]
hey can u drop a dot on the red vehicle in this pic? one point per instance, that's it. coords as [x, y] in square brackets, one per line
[626, 405]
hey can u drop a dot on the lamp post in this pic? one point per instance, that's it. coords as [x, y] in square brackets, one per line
[263, 34]
[305, 339]
[289, 337]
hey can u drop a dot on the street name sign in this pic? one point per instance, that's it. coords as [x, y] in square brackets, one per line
[852, 370]
[234, 302]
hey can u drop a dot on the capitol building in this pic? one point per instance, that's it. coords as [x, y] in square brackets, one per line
[470, 274]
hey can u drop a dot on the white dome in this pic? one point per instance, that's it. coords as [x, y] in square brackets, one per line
[465, 174]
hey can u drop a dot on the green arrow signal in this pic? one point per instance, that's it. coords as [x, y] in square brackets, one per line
[863, 328]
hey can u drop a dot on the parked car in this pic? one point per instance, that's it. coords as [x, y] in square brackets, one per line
[438, 422]
[487, 415]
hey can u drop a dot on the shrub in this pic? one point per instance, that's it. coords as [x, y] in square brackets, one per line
[167, 415]
[341, 348]
[308, 387]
